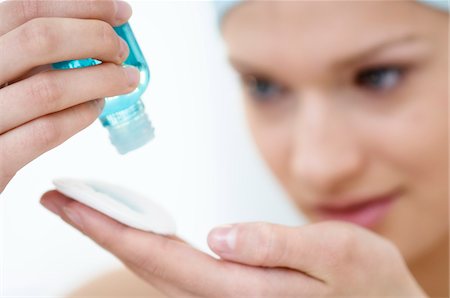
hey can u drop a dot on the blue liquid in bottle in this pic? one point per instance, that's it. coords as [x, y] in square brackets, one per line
[124, 115]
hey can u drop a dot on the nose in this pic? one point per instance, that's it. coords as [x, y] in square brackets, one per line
[326, 156]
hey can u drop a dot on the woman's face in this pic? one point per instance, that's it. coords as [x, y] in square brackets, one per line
[348, 104]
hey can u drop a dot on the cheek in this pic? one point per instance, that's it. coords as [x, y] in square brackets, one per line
[422, 130]
[425, 161]
[413, 144]
[274, 141]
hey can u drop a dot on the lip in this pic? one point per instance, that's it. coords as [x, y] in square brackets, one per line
[364, 212]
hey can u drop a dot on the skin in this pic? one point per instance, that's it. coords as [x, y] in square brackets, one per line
[328, 138]
[121, 283]
[362, 142]
[46, 107]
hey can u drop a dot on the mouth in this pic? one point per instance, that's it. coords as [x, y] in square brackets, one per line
[363, 212]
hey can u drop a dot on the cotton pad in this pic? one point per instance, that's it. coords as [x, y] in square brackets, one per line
[119, 203]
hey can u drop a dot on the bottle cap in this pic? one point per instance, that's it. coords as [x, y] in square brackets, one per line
[129, 129]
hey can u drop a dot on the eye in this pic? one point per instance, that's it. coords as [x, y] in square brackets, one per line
[380, 79]
[262, 89]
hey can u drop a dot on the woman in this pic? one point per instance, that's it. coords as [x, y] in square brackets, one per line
[348, 104]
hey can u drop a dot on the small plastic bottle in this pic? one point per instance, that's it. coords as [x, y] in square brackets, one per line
[124, 115]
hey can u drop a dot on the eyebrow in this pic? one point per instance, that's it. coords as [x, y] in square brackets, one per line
[348, 61]
[373, 50]
[247, 69]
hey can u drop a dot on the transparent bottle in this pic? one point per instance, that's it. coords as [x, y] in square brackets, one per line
[124, 115]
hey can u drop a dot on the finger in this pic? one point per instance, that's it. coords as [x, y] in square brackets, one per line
[316, 250]
[55, 91]
[175, 267]
[23, 144]
[157, 256]
[243, 281]
[55, 202]
[50, 40]
[32, 72]
[15, 13]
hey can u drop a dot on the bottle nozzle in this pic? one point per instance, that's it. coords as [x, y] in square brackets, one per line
[129, 129]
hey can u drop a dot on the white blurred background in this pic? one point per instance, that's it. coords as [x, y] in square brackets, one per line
[202, 165]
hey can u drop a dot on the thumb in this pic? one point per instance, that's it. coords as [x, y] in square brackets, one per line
[256, 244]
[316, 249]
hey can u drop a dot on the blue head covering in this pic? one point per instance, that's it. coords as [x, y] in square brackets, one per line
[439, 4]
[224, 6]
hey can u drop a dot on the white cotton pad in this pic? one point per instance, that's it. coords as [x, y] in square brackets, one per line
[119, 203]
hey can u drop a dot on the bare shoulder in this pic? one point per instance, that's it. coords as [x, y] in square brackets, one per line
[120, 283]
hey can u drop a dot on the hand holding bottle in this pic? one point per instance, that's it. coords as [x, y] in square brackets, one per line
[40, 107]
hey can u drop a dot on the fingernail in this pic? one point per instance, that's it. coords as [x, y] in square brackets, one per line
[123, 51]
[132, 74]
[223, 239]
[123, 11]
[49, 205]
[74, 217]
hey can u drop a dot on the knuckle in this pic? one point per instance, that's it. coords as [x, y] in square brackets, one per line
[263, 239]
[28, 9]
[45, 91]
[37, 37]
[109, 8]
[46, 131]
[105, 8]
[106, 35]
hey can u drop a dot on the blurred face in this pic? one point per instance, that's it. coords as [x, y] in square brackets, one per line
[348, 104]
